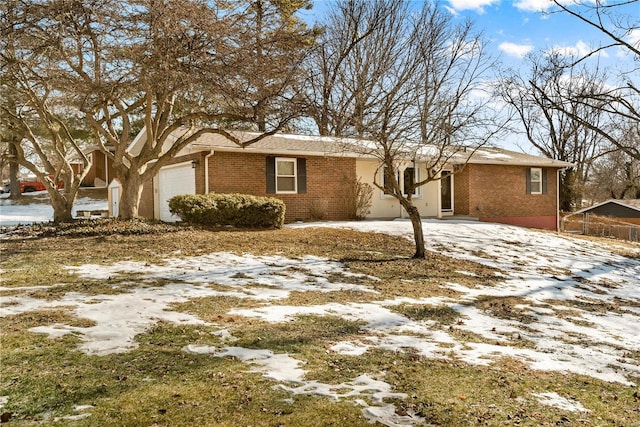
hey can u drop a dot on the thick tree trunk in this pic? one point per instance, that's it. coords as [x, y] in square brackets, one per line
[416, 222]
[62, 206]
[14, 169]
[62, 200]
[130, 198]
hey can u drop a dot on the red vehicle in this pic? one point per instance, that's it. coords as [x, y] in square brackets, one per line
[31, 186]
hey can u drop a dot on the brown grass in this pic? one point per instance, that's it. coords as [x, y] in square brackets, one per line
[159, 384]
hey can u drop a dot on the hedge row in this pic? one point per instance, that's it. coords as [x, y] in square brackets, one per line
[238, 210]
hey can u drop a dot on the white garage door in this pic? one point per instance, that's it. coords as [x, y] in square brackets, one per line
[172, 181]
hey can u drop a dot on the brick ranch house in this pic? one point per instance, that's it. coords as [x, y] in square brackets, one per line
[313, 176]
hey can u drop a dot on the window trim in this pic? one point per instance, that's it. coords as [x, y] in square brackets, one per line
[531, 180]
[384, 194]
[294, 176]
[400, 178]
[417, 192]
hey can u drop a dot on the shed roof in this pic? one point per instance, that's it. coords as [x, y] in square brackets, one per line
[633, 204]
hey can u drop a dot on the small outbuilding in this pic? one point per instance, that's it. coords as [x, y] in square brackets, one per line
[622, 210]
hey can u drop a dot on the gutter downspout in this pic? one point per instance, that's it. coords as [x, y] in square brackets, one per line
[439, 197]
[206, 171]
[106, 170]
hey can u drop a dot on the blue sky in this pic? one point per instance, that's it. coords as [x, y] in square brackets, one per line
[517, 27]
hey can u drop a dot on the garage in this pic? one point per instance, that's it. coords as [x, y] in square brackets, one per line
[172, 181]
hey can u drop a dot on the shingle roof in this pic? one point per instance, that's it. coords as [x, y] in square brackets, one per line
[499, 156]
[629, 203]
[281, 143]
[350, 147]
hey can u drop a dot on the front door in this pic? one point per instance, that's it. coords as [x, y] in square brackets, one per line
[446, 192]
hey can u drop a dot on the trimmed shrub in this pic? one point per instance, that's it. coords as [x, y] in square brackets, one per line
[238, 210]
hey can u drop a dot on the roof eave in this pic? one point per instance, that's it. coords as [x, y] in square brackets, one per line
[273, 151]
[554, 164]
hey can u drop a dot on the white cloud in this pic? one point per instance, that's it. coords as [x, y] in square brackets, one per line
[477, 5]
[516, 50]
[542, 5]
[533, 5]
[634, 37]
[452, 11]
[579, 50]
[539, 5]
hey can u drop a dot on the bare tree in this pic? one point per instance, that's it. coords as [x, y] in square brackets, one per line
[349, 60]
[532, 95]
[412, 85]
[618, 21]
[41, 134]
[155, 64]
[616, 174]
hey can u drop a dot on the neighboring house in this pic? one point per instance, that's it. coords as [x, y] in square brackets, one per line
[622, 210]
[101, 171]
[315, 177]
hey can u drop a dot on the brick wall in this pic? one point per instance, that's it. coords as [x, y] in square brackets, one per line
[326, 177]
[461, 192]
[498, 193]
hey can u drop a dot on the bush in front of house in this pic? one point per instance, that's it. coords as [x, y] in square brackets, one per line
[238, 210]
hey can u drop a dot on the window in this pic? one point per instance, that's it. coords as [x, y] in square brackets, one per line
[285, 175]
[387, 183]
[535, 181]
[410, 177]
[405, 179]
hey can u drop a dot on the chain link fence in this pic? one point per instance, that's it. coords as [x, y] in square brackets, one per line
[593, 225]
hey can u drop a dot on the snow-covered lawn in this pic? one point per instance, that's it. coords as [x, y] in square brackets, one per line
[35, 208]
[561, 284]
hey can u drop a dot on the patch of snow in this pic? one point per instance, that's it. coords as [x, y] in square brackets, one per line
[285, 369]
[362, 386]
[492, 155]
[279, 367]
[119, 318]
[3, 401]
[272, 277]
[12, 213]
[376, 317]
[72, 417]
[350, 348]
[224, 335]
[557, 401]
[76, 408]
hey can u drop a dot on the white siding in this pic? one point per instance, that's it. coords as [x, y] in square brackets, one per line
[383, 206]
